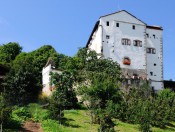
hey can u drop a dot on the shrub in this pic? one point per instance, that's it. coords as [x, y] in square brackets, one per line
[37, 113]
[20, 114]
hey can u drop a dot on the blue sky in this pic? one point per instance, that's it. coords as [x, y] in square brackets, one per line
[67, 24]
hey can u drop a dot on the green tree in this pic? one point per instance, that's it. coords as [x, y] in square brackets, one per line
[21, 83]
[163, 108]
[8, 52]
[64, 96]
[136, 107]
[4, 113]
[24, 80]
[99, 87]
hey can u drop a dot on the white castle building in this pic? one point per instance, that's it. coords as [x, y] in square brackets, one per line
[136, 46]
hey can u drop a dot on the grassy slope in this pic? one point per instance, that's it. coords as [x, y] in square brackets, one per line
[75, 121]
[79, 121]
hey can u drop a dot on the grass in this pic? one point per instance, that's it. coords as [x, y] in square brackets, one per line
[74, 121]
[79, 121]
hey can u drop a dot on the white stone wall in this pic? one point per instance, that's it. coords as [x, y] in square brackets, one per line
[113, 48]
[155, 61]
[45, 75]
[46, 78]
[108, 40]
[96, 42]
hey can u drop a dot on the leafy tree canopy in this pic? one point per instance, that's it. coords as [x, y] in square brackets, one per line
[8, 52]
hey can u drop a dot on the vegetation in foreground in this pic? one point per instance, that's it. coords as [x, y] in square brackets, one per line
[74, 121]
[96, 80]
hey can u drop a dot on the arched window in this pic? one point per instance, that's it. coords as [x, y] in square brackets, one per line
[127, 61]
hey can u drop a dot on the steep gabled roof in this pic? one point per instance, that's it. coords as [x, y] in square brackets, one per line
[94, 29]
[127, 13]
[50, 61]
[97, 24]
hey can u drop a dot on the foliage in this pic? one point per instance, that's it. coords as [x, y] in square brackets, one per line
[8, 52]
[64, 96]
[4, 113]
[136, 107]
[163, 108]
[99, 88]
[24, 78]
[78, 121]
[20, 114]
[140, 106]
[43, 98]
[21, 85]
[38, 114]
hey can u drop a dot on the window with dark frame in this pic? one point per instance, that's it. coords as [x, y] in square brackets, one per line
[117, 24]
[126, 41]
[133, 27]
[107, 37]
[137, 43]
[151, 73]
[147, 35]
[151, 50]
[154, 35]
[107, 23]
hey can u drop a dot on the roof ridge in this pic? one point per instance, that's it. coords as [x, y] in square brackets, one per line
[123, 11]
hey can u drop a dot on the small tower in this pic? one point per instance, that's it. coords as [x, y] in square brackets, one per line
[46, 78]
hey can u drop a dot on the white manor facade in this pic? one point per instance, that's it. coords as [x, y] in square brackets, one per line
[137, 47]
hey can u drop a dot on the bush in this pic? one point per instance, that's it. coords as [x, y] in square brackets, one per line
[37, 113]
[21, 114]
[43, 98]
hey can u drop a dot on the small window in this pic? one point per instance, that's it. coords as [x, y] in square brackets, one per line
[126, 41]
[117, 24]
[154, 64]
[154, 36]
[151, 73]
[102, 50]
[107, 23]
[137, 43]
[147, 35]
[151, 50]
[107, 37]
[133, 27]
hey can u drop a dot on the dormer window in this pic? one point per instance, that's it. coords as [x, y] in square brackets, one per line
[126, 61]
[126, 41]
[137, 43]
